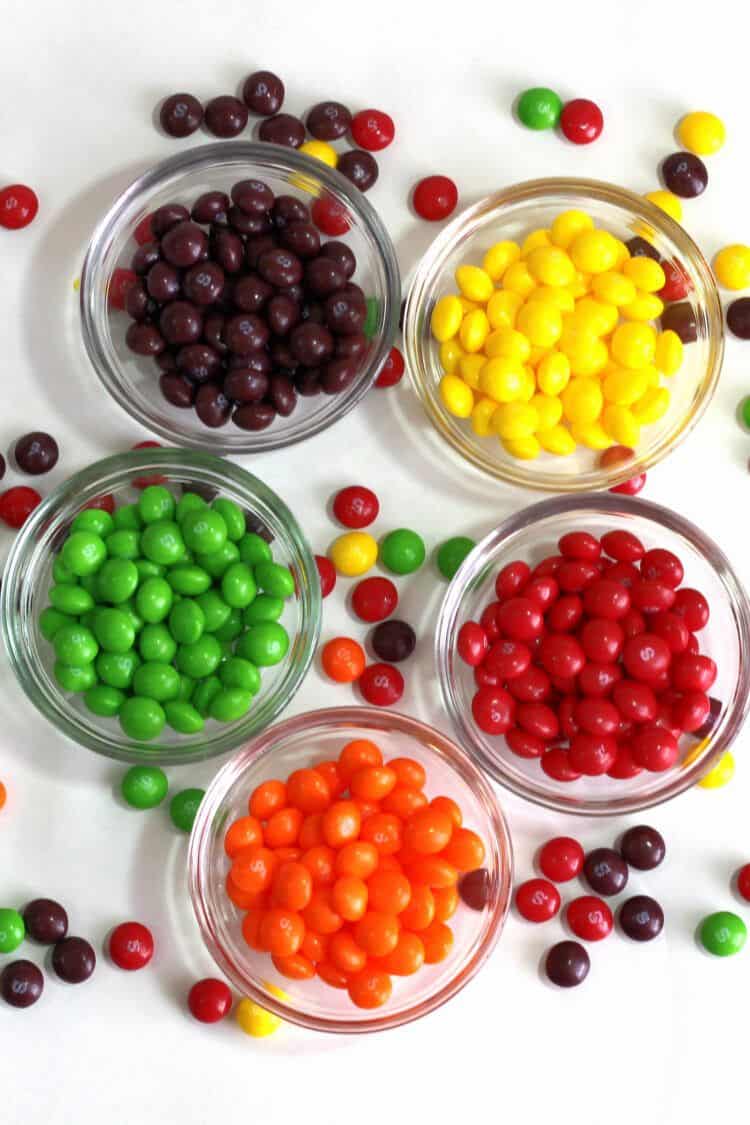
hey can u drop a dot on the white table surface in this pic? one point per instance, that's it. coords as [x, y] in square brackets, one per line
[657, 1033]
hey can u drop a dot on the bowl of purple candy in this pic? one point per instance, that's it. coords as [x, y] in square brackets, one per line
[217, 311]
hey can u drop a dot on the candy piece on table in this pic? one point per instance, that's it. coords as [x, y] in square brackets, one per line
[605, 871]
[256, 1021]
[721, 774]
[144, 787]
[567, 964]
[319, 150]
[435, 198]
[561, 859]
[701, 132]
[666, 202]
[3, 794]
[12, 929]
[589, 918]
[641, 918]
[183, 808]
[131, 946]
[723, 933]
[356, 506]
[393, 641]
[581, 121]
[17, 504]
[180, 115]
[392, 370]
[732, 266]
[452, 553]
[743, 882]
[402, 551]
[209, 1000]
[372, 129]
[353, 553]
[738, 318]
[643, 847]
[46, 921]
[374, 599]
[18, 206]
[684, 174]
[381, 684]
[263, 93]
[343, 660]
[537, 900]
[21, 984]
[539, 108]
[73, 960]
[326, 574]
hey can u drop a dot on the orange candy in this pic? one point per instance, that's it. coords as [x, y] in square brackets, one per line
[465, 850]
[296, 966]
[372, 783]
[314, 946]
[420, 912]
[341, 823]
[292, 886]
[349, 897]
[319, 861]
[356, 755]
[438, 941]
[446, 902]
[377, 933]
[331, 975]
[370, 988]
[389, 892]
[366, 808]
[428, 831]
[344, 953]
[404, 801]
[343, 660]
[283, 828]
[266, 799]
[283, 855]
[253, 868]
[449, 806]
[408, 772]
[243, 899]
[329, 772]
[357, 858]
[406, 958]
[434, 871]
[311, 831]
[281, 931]
[307, 790]
[3, 794]
[244, 833]
[384, 831]
[320, 914]
[251, 929]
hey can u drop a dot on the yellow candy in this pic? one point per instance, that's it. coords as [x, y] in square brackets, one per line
[623, 253]
[450, 354]
[624, 387]
[594, 251]
[645, 273]
[502, 379]
[528, 388]
[580, 286]
[614, 288]
[702, 133]
[524, 449]
[732, 266]
[321, 151]
[646, 306]
[721, 774]
[469, 367]
[596, 317]
[589, 360]
[592, 435]
[634, 345]
[668, 357]
[481, 417]
[582, 401]
[507, 342]
[534, 240]
[514, 420]
[474, 330]
[536, 355]
[353, 553]
[652, 375]
[620, 424]
[446, 318]
[558, 440]
[474, 283]
[567, 225]
[553, 373]
[517, 279]
[456, 396]
[666, 202]
[549, 410]
[499, 257]
[256, 1021]
[469, 306]
[652, 406]
[540, 322]
[559, 296]
[503, 307]
[551, 266]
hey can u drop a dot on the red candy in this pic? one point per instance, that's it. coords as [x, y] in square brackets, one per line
[592, 754]
[561, 859]
[435, 198]
[493, 710]
[381, 684]
[743, 882]
[537, 900]
[623, 546]
[654, 748]
[131, 946]
[326, 573]
[580, 545]
[512, 579]
[692, 607]
[606, 598]
[145, 482]
[330, 216]
[523, 744]
[143, 232]
[472, 643]
[18, 206]
[105, 503]
[631, 487]
[374, 599]
[561, 655]
[520, 619]
[677, 284]
[392, 370]
[209, 1000]
[508, 659]
[589, 918]
[693, 672]
[356, 506]
[556, 764]
[372, 129]
[581, 121]
[17, 504]
[662, 566]
[120, 282]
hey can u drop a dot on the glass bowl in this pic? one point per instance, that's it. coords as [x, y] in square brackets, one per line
[28, 577]
[133, 380]
[511, 214]
[300, 742]
[531, 535]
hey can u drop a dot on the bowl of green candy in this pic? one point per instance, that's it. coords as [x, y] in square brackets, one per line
[161, 606]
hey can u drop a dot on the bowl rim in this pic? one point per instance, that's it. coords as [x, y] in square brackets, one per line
[481, 559]
[71, 495]
[376, 719]
[431, 268]
[260, 155]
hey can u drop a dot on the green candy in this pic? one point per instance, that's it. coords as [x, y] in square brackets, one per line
[372, 317]
[402, 551]
[154, 600]
[148, 569]
[144, 787]
[50, 621]
[156, 503]
[117, 580]
[183, 717]
[204, 693]
[200, 659]
[452, 553]
[264, 644]
[123, 544]
[95, 520]
[254, 550]
[156, 681]
[187, 687]
[539, 108]
[238, 585]
[128, 608]
[239, 673]
[231, 628]
[127, 518]
[204, 531]
[104, 700]
[184, 806]
[83, 552]
[215, 610]
[274, 579]
[62, 574]
[188, 579]
[117, 669]
[189, 502]
[90, 583]
[217, 562]
[187, 622]
[142, 719]
[263, 608]
[156, 643]
[162, 542]
[723, 933]
[230, 704]
[114, 630]
[12, 929]
[75, 645]
[75, 678]
[71, 600]
[233, 517]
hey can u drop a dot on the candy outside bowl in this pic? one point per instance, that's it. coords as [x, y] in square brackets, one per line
[531, 535]
[300, 742]
[28, 578]
[511, 214]
[133, 380]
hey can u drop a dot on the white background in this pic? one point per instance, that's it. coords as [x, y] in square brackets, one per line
[657, 1033]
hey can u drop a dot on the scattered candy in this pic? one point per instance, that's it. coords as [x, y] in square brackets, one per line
[356, 506]
[327, 575]
[567, 964]
[381, 685]
[393, 641]
[180, 115]
[684, 174]
[561, 859]
[225, 116]
[46, 921]
[263, 93]
[374, 599]
[17, 504]
[643, 847]
[605, 871]
[343, 660]
[353, 553]
[3, 794]
[539, 108]
[12, 929]
[723, 933]
[21, 984]
[537, 900]
[131, 946]
[641, 918]
[581, 121]
[73, 960]
[18, 206]
[144, 787]
[702, 133]
[402, 551]
[721, 774]
[256, 1021]
[435, 198]
[36, 453]
[392, 370]
[452, 553]
[183, 808]
[743, 882]
[209, 1000]
[732, 266]
[738, 318]
[372, 129]
[589, 918]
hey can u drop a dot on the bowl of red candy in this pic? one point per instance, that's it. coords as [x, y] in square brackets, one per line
[239, 297]
[350, 869]
[593, 654]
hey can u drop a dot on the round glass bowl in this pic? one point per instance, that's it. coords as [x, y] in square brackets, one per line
[300, 742]
[533, 534]
[133, 381]
[28, 577]
[512, 214]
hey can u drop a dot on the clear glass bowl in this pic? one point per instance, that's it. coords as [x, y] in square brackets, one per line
[531, 535]
[299, 742]
[28, 577]
[512, 214]
[132, 380]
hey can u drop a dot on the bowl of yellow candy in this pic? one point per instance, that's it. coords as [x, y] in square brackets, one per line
[563, 335]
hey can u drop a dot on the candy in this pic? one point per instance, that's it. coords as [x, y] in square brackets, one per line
[539, 108]
[343, 660]
[393, 641]
[353, 553]
[327, 575]
[21, 984]
[17, 504]
[641, 918]
[581, 121]
[684, 174]
[209, 1000]
[73, 960]
[381, 684]
[402, 551]
[589, 918]
[225, 116]
[743, 882]
[46, 921]
[144, 787]
[723, 933]
[372, 129]
[263, 93]
[180, 115]
[605, 871]
[131, 946]
[12, 929]
[392, 370]
[537, 900]
[666, 202]
[732, 266]
[355, 506]
[183, 808]
[567, 964]
[18, 206]
[721, 774]
[702, 133]
[256, 1021]
[561, 859]
[474, 888]
[374, 599]
[36, 453]
[435, 198]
